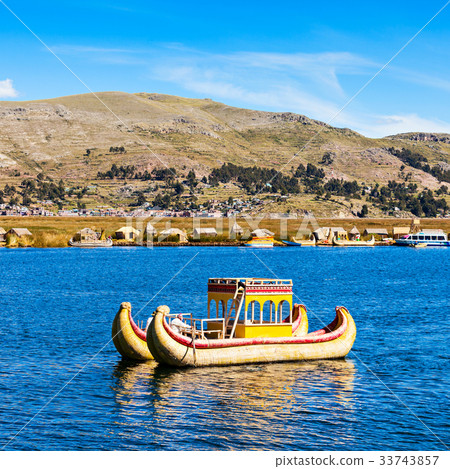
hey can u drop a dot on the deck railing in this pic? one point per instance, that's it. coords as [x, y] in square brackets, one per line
[198, 327]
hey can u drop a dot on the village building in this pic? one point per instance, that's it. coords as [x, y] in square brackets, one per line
[173, 232]
[399, 231]
[262, 233]
[150, 230]
[127, 232]
[380, 233]
[328, 232]
[354, 234]
[2, 235]
[205, 232]
[20, 232]
[87, 234]
[236, 230]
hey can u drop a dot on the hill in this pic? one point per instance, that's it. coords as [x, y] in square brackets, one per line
[74, 138]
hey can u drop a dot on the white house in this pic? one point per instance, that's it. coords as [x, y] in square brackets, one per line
[199, 232]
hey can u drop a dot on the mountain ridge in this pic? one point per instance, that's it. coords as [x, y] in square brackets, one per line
[70, 137]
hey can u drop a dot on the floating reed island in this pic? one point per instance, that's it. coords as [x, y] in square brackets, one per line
[58, 231]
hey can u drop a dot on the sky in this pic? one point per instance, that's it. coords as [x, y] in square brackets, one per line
[306, 57]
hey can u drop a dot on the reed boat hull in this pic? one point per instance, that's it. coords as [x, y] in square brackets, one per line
[129, 339]
[107, 243]
[171, 348]
[346, 243]
[305, 242]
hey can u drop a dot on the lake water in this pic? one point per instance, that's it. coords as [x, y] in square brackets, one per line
[390, 393]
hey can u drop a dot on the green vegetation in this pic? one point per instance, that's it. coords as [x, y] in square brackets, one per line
[418, 161]
[130, 172]
[255, 179]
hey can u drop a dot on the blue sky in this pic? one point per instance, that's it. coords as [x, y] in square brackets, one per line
[298, 56]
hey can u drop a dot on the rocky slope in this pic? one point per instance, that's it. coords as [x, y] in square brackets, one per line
[53, 137]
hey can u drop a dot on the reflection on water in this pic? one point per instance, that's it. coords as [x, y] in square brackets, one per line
[64, 318]
[244, 400]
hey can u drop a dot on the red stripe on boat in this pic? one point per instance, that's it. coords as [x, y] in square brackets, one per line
[222, 343]
[136, 329]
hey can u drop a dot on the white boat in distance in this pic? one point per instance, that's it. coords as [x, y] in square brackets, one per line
[100, 243]
[427, 237]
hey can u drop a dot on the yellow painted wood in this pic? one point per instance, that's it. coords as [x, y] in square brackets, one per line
[247, 331]
[127, 343]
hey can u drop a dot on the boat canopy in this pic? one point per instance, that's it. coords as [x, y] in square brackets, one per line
[227, 293]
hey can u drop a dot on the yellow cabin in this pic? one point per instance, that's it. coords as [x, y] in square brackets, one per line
[249, 307]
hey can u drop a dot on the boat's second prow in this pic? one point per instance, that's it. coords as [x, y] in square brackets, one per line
[128, 337]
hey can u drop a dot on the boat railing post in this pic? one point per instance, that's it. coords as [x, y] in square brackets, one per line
[193, 342]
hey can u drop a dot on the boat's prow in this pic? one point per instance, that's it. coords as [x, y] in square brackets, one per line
[305, 242]
[300, 318]
[175, 349]
[129, 339]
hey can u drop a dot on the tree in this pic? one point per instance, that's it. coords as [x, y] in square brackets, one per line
[364, 212]
[192, 179]
[179, 188]
[26, 200]
[327, 159]
[141, 199]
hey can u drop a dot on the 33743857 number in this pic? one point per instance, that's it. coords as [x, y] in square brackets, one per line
[409, 460]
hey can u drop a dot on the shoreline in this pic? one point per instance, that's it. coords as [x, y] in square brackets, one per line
[56, 231]
[197, 244]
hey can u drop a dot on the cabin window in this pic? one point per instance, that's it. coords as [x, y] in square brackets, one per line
[427, 238]
[283, 311]
[414, 238]
[421, 238]
[269, 311]
[212, 309]
[441, 238]
[254, 313]
[433, 238]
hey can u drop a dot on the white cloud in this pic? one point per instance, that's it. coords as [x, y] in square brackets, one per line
[321, 67]
[314, 84]
[419, 78]
[7, 90]
[273, 96]
[381, 126]
[318, 72]
[302, 83]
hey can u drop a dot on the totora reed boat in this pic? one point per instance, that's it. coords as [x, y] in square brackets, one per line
[347, 242]
[254, 321]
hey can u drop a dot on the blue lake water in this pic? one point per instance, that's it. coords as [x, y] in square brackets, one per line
[63, 386]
